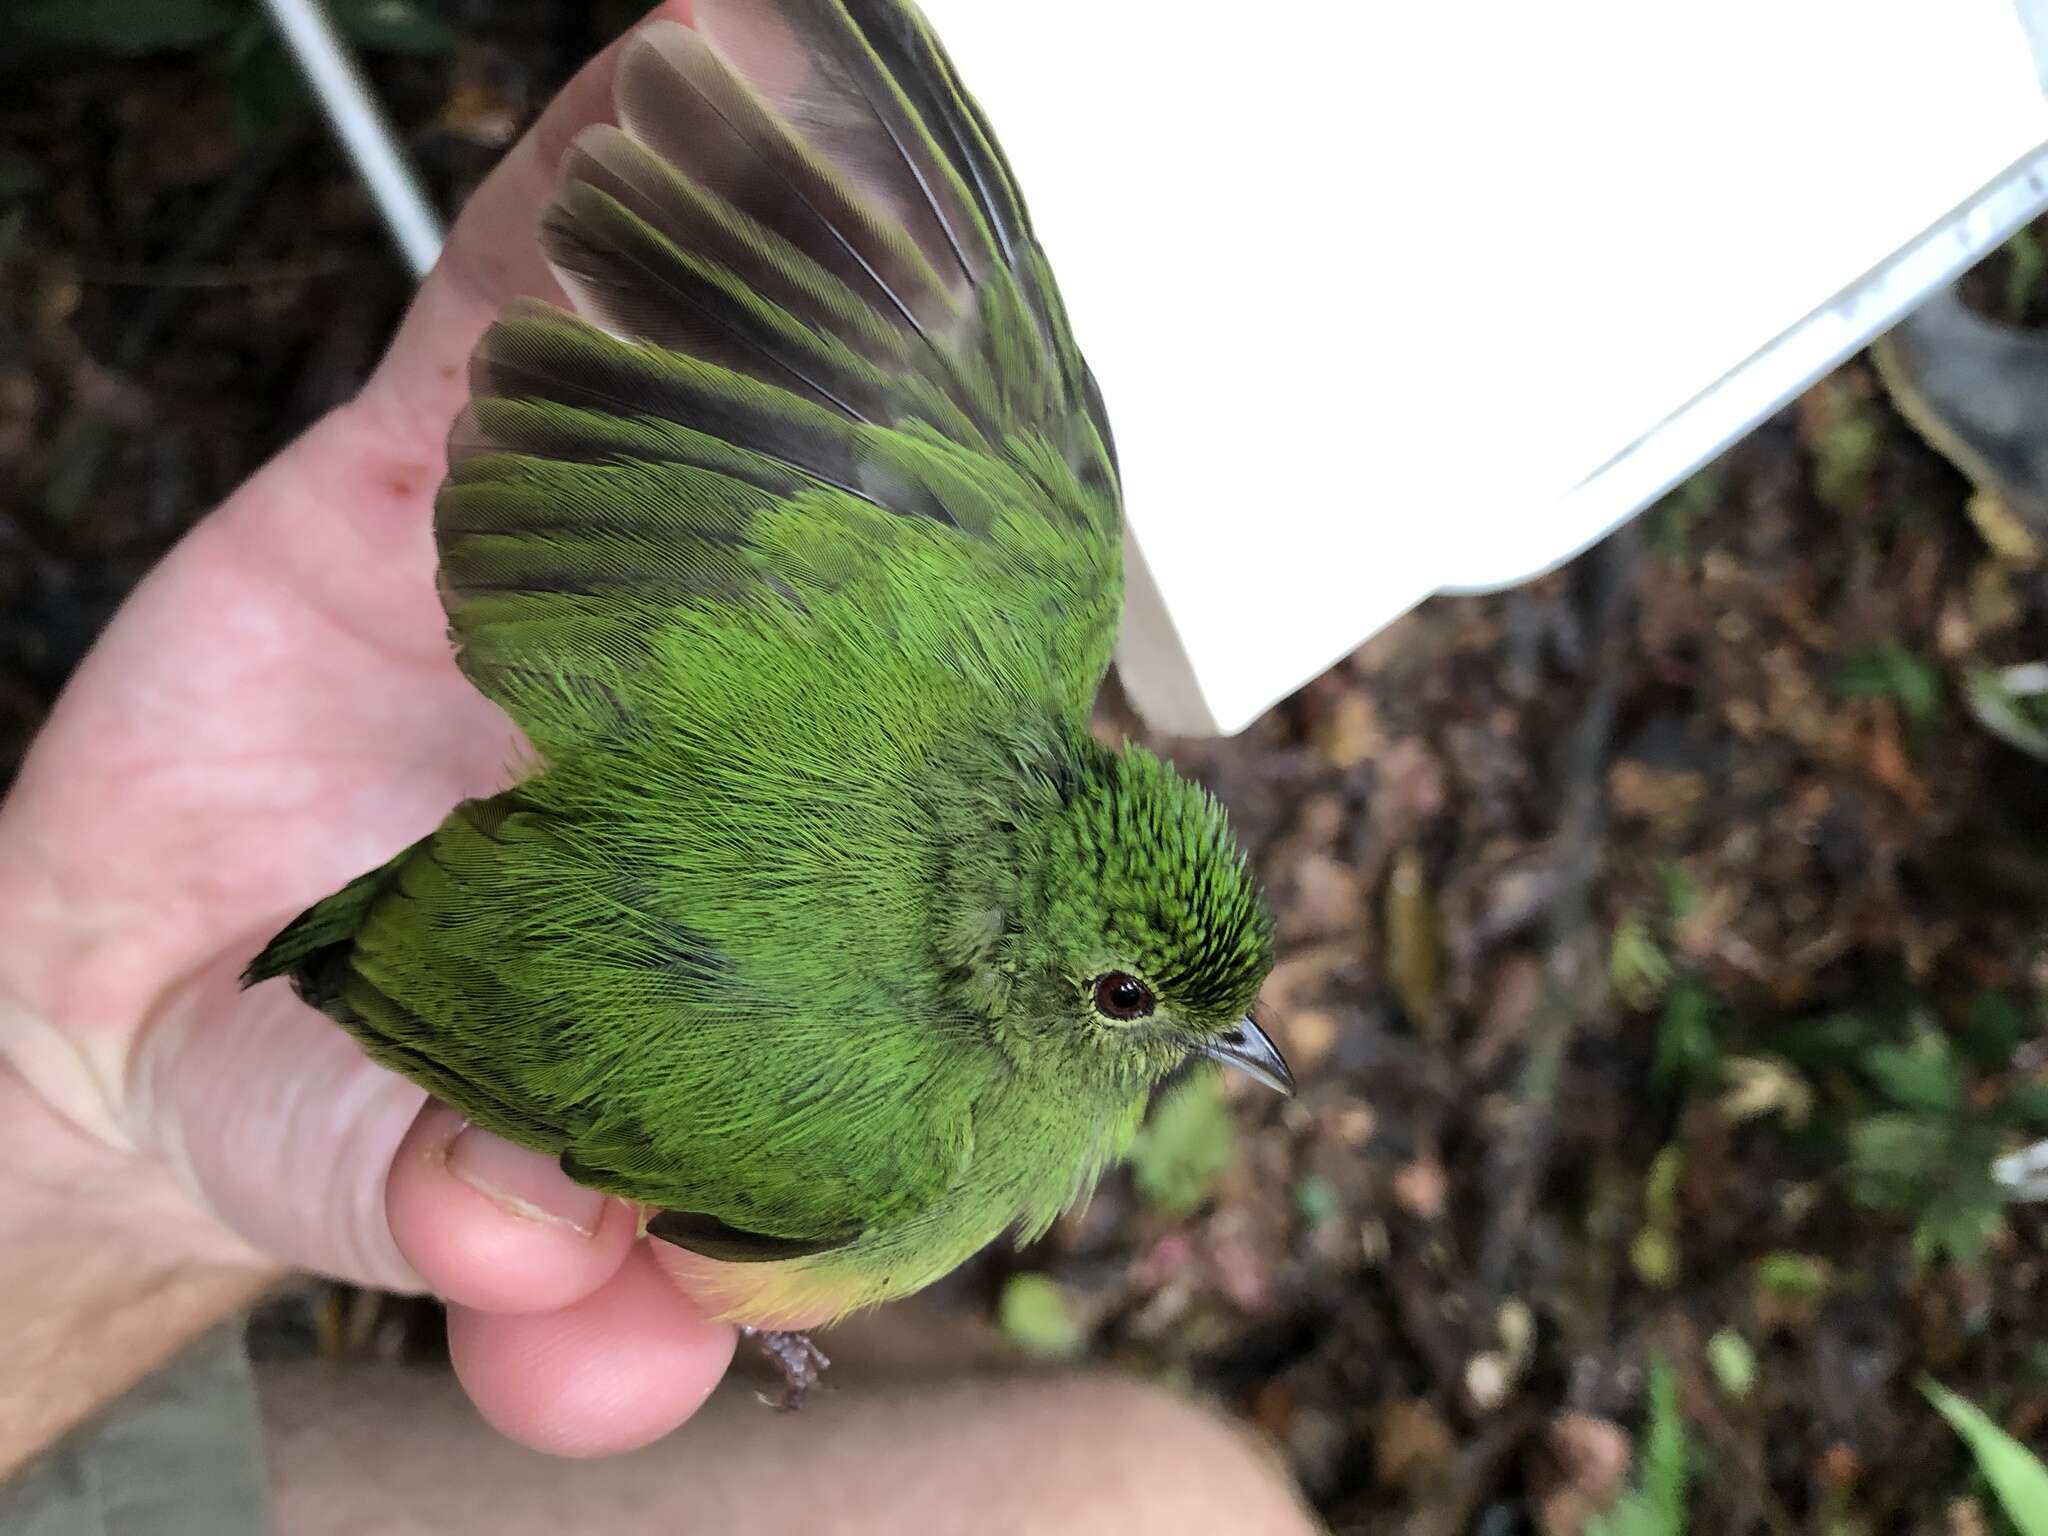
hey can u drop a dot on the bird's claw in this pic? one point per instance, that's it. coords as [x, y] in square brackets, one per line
[801, 1362]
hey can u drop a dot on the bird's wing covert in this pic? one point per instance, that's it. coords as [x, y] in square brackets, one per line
[808, 290]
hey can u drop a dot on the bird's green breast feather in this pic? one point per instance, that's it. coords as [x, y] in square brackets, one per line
[701, 952]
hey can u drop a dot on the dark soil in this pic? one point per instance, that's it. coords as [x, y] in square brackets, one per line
[1661, 943]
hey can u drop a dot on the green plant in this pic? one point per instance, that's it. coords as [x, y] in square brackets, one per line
[2009, 703]
[1925, 1108]
[1317, 1201]
[1654, 1255]
[1845, 435]
[1184, 1147]
[1655, 1504]
[1673, 519]
[1687, 1047]
[2028, 262]
[1936, 1169]
[1733, 1362]
[1927, 1147]
[1681, 896]
[1637, 967]
[2016, 1475]
[1792, 1276]
[1890, 671]
[1033, 1314]
[1643, 975]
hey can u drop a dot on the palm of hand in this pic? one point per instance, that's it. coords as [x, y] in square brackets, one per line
[274, 711]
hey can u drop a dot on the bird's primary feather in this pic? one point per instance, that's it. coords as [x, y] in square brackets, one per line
[798, 558]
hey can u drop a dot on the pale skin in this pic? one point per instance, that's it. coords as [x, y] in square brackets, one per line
[275, 710]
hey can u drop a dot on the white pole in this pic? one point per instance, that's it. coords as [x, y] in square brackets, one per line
[337, 80]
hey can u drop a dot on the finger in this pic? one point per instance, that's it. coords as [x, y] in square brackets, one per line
[497, 1228]
[492, 256]
[277, 1122]
[610, 1373]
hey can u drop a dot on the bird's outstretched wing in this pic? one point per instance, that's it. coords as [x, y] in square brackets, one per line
[811, 307]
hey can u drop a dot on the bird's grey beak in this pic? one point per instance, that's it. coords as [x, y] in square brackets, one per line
[1251, 1050]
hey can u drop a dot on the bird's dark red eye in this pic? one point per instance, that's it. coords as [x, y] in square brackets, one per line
[1123, 997]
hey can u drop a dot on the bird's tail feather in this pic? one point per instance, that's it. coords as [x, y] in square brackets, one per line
[313, 949]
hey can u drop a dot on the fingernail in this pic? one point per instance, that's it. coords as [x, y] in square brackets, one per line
[525, 1183]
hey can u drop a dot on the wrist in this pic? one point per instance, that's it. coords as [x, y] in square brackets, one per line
[65, 1072]
[107, 1269]
[73, 991]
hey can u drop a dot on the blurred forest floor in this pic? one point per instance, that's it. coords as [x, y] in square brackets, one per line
[1661, 955]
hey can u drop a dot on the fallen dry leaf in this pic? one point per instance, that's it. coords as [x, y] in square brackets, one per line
[1414, 943]
[1421, 1188]
[1350, 734]
[1309, 1034]
[1328, 900]
[1412, 1445]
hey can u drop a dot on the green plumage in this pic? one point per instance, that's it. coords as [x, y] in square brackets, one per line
[798, 560]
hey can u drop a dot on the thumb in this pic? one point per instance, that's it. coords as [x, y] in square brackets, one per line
[272, 1114]
[315, 1156]
[277, 1124]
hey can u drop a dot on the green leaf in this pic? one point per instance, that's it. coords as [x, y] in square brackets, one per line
[394, 26]
[1994, 1028]
[1681, 896]
[1961, 1227]
[1655, 1506]
[1890, 671]
[125, 26]
[1660, 1186]
[1686, 1048]
[1920, 1076]
[1832, 1040]
[1791, 1276]
[1034, 1316]
[2029, 262]
[1845, 442]
[1316, 1198]
[1653, 1255]
[1893, 1158]
[2003, 713]
[1733, 1363]
[1185, 1146]
[2028, 1105]
[1636, 967]
[1675, 517]
[2015, 1473]
[1937, 1170]
[1664, 1449]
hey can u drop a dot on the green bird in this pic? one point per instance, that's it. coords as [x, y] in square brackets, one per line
[819, 923]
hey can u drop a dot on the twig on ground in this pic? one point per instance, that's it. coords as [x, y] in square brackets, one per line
[1575, 982]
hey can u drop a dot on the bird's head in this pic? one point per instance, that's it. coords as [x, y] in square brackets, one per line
[1152, 939]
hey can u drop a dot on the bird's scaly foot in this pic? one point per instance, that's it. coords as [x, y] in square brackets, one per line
[800, 1361]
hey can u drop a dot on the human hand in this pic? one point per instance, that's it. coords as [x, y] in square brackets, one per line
[275, 710]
